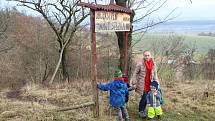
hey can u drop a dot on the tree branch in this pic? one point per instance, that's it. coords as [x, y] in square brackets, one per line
[7, 49]
[160, 22]
[150, 11]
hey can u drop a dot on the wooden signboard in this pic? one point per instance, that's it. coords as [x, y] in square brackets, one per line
[111, 21]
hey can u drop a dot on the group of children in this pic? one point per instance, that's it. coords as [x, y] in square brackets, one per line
[119, 93]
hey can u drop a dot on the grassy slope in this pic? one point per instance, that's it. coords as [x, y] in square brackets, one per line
[184, 102]
[34, 103]
[203, 43]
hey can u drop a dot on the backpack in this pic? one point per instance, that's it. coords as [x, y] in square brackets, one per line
[161, 100]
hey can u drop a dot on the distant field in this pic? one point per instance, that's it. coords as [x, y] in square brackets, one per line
[203, 43]
[187, 26]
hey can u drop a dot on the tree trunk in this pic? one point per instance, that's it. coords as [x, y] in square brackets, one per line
[64, 67]
[59, 62]
[130, 61]
[57, 67]
[45, 74]
[120, 37]
[121, 3]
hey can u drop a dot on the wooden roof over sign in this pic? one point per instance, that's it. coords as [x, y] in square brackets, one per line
[111, 7]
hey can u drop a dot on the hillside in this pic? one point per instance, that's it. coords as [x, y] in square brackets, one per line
[184, 101]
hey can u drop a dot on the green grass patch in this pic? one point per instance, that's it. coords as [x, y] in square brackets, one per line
[202, 43]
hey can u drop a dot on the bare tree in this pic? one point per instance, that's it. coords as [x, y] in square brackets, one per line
[169, 51]
[170, 48]
[4, 21]
[211, 55]
[64, 17]
[141, 23]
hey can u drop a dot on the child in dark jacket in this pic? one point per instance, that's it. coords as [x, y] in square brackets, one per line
[153, 99]
[118, 89]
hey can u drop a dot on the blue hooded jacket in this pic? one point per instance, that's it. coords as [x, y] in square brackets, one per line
[118, 89]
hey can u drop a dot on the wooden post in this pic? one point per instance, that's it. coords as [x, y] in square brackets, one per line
[125, 48]
[77, 106]
[94, 69]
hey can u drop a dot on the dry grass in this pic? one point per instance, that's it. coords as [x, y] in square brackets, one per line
[33, 102]
[185, 101]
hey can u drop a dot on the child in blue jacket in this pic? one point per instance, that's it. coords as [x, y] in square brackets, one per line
[118, 89]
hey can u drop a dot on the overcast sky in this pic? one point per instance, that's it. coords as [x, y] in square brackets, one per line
[197, 10]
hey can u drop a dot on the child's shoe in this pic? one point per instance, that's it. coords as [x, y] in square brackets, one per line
[127, 119]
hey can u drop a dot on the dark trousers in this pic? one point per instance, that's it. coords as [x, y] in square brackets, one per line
[143, 102]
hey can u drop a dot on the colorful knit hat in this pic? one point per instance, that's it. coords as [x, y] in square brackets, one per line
[118, 73]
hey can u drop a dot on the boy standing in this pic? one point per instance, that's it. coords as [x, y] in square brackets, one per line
[153, 99]
[118, 89]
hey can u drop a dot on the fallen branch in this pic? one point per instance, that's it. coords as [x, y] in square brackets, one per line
[77, 106]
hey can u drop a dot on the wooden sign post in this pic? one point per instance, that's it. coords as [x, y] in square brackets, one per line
[104, 18]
